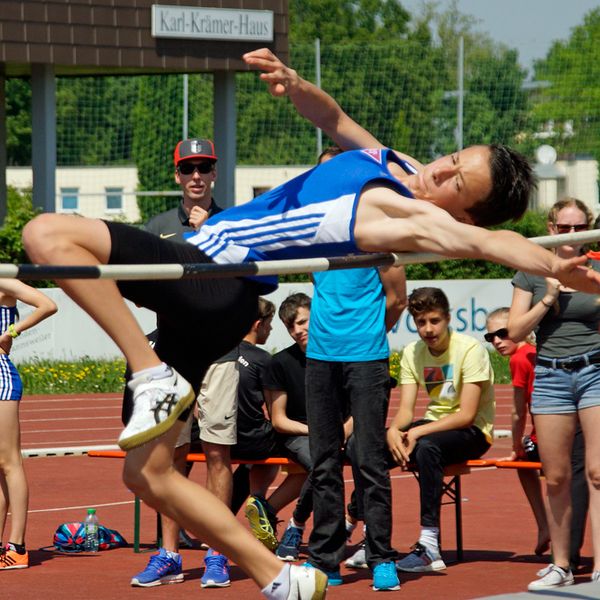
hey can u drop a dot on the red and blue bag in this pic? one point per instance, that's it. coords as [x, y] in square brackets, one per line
[70, 537]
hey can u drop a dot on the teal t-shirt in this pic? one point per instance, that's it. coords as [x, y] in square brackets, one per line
[347, 317]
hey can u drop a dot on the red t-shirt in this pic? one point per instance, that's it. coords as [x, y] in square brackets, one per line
[522, 364]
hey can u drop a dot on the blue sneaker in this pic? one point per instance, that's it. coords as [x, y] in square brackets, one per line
[385, 577]
[161, 569]
[334, 577]
[216, 572]
[421, 560]
[289, 547]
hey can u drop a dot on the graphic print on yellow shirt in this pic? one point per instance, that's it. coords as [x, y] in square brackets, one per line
[439, 382]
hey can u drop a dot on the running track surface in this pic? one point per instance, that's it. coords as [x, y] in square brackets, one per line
[499, 530]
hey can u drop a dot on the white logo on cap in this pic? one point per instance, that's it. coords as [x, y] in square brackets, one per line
[195, 146]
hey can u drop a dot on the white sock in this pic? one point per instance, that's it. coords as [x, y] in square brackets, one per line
[279, 588]
[158, 372]
[430, 538]
[172, 554]
[297, 525]
[350, 527]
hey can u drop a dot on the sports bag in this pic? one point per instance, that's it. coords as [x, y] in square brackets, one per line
[70, 537]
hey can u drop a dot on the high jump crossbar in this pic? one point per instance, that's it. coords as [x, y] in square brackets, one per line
[269, 267]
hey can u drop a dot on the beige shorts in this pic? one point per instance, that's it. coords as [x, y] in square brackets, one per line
[186, 433]
[217, 404]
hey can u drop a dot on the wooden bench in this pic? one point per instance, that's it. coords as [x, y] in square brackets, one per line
[518, 464]
[452, 490]
[285, 463]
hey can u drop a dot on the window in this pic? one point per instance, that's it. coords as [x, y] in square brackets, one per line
[69, 199]
[257, 191]
[114, 199]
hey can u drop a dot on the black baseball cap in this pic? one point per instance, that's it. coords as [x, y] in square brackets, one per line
[194, 148]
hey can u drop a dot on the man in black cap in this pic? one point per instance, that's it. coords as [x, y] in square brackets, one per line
[195, 171]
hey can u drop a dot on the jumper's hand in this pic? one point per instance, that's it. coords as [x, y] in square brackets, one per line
[573, 273]
[280, 79]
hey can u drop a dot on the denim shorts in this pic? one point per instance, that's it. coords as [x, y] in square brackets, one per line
[562, 391]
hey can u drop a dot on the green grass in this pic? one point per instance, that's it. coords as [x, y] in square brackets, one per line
[88, 376]
[62, 377]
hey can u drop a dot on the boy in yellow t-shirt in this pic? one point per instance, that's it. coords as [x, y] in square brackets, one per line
[458, 424]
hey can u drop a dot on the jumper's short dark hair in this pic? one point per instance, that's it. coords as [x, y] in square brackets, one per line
[329, 152]
[288, 309]
[513, 181]
[426, 299]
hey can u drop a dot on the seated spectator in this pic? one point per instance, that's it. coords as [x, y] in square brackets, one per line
[256, 438]
[457, 426]
[285, 381]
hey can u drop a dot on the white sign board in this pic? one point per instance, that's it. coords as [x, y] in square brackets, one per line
[193, 22]
[70, 334]
[470, 302]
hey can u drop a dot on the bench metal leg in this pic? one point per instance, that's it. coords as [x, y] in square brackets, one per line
[136, 525]
[453, 491]
[458, 510]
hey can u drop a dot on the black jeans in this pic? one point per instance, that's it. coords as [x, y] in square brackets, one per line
[431, 454]
[298, 449]
[580, 495]
[329, 386]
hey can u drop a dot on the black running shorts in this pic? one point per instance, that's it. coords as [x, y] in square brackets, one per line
[199, 320]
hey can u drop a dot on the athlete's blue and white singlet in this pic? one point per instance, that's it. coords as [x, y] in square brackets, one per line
[11, 387]
[309, 216]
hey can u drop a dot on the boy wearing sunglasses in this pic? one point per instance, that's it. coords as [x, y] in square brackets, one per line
[195, 172]
[521, 362]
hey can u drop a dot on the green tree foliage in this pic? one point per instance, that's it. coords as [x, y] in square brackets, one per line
[339, 21]
[155, 138]
[495, 106]
[20, 212]
[568, 111]
[93, 124]
[18, 122]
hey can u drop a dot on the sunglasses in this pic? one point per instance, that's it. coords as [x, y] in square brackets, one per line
[500, 333]
[187, 168]
[563, 228]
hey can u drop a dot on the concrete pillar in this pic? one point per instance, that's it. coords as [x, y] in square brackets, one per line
[43, 136]
[225, 136]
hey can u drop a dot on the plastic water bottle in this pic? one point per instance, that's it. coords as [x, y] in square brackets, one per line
[91, 531]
